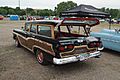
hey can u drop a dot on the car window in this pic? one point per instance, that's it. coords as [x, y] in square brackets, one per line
[73, 29]
[44, 30]
[27, 27]
[33, 28]
[63, 29]
[77, 30]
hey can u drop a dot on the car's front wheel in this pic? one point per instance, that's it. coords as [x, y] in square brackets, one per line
[40, 56]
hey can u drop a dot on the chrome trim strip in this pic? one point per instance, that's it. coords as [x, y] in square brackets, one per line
[111, 40]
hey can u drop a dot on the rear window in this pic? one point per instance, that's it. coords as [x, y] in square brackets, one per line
[44, 30]
[73, 30]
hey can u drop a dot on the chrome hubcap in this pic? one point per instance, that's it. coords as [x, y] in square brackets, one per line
[40, 57]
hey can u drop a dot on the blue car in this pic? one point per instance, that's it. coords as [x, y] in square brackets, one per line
[110, 38]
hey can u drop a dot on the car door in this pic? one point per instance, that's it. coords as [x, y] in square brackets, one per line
[31, 36]
[23, 37]
[45, 31]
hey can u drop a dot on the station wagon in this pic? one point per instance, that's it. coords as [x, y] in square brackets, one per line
[59, 41]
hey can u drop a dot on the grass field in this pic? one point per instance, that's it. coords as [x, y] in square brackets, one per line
[115, 25]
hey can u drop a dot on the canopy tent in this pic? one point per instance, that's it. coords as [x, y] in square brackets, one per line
[84, 11]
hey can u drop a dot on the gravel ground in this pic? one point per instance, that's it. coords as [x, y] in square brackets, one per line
[20, 64]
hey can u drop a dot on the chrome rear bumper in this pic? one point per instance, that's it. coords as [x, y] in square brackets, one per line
[75, 58]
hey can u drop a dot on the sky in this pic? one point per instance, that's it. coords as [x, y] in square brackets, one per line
[51, 4]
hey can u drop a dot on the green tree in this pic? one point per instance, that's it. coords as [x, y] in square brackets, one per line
[63, 6]
[6, 8]
[11, 11]
[114, 12]
[33, 13]
[118, 15]
[45, 12]
[22, 12]
[103, 9]
[30, 11]
[3, 11]
[17, 10]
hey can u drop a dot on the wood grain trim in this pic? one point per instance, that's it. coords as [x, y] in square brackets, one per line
[52, 32]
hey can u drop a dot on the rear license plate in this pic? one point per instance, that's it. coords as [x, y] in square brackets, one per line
[84, 56]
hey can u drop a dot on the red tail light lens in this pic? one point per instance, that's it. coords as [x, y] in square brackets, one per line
[92, 45]
[65, 48]
[70, 46]
[61, 48]
[97, 44]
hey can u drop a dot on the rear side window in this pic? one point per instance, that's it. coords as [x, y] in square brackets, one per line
[44, 30]
[63, 29]
[27, 27]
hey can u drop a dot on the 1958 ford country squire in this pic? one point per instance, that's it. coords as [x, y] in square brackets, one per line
[59, 41]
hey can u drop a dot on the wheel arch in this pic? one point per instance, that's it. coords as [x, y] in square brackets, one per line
[14, 36]
[48, 56]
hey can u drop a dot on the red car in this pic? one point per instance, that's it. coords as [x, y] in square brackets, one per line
[1, 17]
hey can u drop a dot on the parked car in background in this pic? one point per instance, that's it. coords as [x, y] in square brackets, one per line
[22, 17]
[102, 20]
[114, 21]
[34, 18]
[109, 38]
[1, 17]
[59, 42]
[118, 21]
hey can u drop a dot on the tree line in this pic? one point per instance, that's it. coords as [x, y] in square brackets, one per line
[63, 6]
[28, 11]
[115, 13]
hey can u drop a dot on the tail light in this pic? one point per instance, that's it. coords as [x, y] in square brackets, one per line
[92, 45]
[70, 46]
[95, 44]
[61, 48]
[65, 48]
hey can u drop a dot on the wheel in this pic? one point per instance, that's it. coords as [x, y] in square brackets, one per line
[17, 43]
[40, 56]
